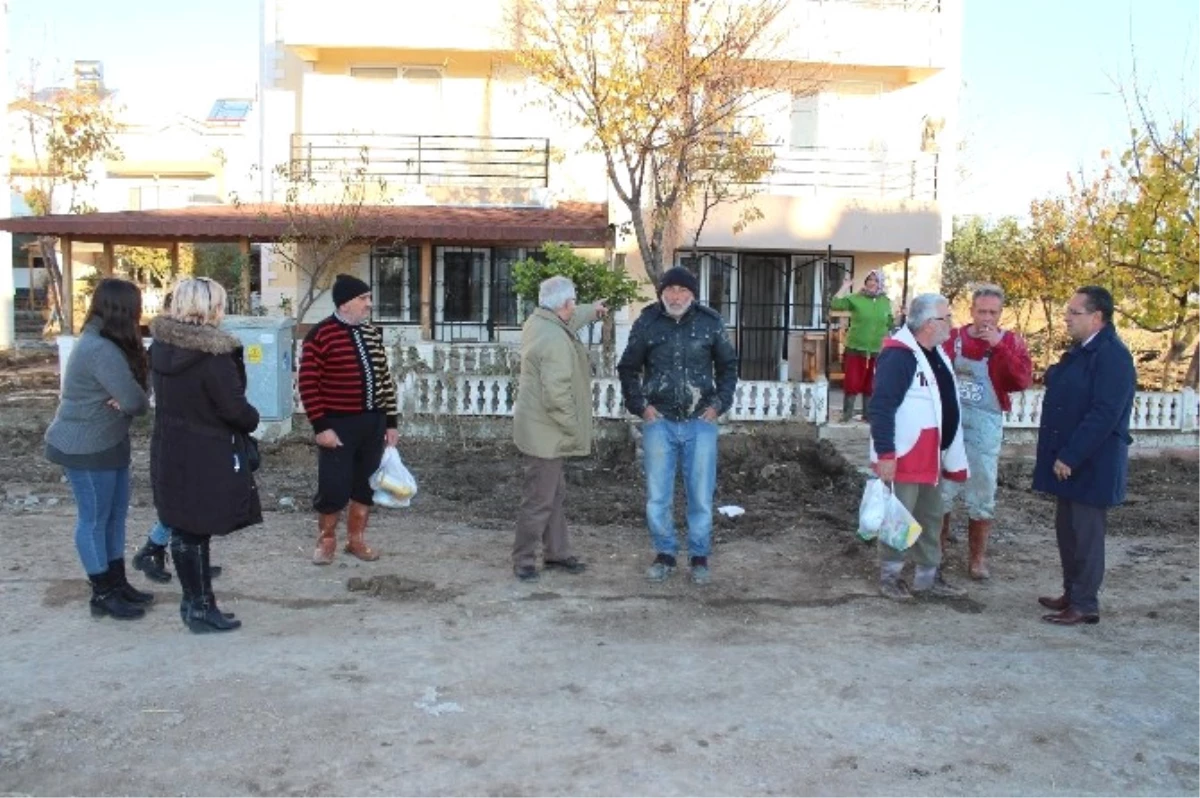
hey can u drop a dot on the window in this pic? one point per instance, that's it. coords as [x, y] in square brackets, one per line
[717, 274]
[804, 122]
[814, 280]
[509, 310]
[374, 72]
[396, 277]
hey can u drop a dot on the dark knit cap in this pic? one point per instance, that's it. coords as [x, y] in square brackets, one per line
[682, 277]
[347, 287]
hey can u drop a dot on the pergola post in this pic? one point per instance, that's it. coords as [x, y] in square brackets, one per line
[110, 259]
[426, 291]
[66, 290]
[244, 249]
[173, 253]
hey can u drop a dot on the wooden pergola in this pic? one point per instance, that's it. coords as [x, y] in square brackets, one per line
[574, 223]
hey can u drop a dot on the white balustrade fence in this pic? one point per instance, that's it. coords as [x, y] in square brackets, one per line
[1151, 411]
[441, 394]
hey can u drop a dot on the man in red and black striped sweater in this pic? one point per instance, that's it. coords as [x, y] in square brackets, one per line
[350, 400]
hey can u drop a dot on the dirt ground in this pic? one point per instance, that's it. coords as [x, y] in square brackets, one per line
[433, 671]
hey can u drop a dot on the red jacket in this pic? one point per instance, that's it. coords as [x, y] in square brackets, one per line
[1009, 366]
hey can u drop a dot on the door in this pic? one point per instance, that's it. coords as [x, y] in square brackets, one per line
[763, 322]
[461, 295]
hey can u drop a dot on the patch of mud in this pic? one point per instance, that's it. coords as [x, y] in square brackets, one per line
[393, 587]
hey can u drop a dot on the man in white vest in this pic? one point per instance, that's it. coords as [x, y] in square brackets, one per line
[917, 440]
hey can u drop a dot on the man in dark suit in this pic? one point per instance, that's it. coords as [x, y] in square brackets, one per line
[1083, 449]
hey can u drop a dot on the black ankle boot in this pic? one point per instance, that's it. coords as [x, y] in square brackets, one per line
[116, 570]
[151, 560]
[107, 599]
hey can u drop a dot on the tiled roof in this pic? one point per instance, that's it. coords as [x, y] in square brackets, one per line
[577, 223]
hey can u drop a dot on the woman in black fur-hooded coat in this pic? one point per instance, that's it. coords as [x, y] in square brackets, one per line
[203, 485]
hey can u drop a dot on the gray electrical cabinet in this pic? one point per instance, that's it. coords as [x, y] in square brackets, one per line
[268, 347]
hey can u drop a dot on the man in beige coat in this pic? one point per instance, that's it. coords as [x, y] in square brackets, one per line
[552, 421]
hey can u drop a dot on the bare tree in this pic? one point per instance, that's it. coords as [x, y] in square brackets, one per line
[68, 130]
[666, 88]
[324, 205]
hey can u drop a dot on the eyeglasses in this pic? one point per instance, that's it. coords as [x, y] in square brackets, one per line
[1073, 312]
[943, 318]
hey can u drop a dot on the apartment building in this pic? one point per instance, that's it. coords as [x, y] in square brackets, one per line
[428, 97]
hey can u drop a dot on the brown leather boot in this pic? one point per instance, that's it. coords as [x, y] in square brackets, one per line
[327, 541]
[977, 536]
[356, 530]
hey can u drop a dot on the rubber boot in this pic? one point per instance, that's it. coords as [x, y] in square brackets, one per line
[107, 599]
[327, 539]
[195, 610]
[151, 560]
[848, 401]
[890, 584]
[116, 571]
[356, 532]
[977, 537]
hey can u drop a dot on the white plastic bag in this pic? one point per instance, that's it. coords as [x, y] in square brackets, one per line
[394, 485]
[881, 514]
[900, 530]
[872, 509]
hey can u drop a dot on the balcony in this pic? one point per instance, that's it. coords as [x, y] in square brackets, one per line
[922, 34]
[854, 174]
[429, 160]
[459, 25]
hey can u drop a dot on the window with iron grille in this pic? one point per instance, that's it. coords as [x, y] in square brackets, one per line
[396, 284]
[815, 278]
[508, 309]
[717, 275]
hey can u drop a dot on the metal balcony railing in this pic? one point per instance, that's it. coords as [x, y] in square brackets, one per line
[867, 174]
[425, 159]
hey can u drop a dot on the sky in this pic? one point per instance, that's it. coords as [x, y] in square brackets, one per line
[1039, 77]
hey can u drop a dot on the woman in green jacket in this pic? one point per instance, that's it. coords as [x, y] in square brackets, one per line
[870, 319]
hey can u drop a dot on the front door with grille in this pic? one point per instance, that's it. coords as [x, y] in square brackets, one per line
[763, 316]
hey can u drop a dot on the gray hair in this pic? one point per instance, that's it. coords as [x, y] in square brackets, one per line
[987, 289]
[555, 292]
[922, 309]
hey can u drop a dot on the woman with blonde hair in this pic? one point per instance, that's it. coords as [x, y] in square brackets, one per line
[199, 464]
[104, 387]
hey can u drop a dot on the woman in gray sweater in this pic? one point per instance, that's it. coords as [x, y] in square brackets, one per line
[104, 387]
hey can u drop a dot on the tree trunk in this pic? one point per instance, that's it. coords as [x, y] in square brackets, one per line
[1193, 373]
[54, 293]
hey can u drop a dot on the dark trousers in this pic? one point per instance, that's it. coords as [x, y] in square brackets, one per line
[343, 472]
[541, 515]
[1080, 529]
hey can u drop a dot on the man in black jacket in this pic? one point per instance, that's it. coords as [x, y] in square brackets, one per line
[678, 373]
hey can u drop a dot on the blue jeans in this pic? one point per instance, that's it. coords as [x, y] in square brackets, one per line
[665, 443]
[160, 534]
[102, 501]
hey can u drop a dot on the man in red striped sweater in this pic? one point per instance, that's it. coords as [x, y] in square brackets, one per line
[350, 400]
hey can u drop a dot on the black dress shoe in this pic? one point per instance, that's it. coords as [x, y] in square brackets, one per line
[1057, 604]
[526, 573]
[1071, 617]
[571, 565]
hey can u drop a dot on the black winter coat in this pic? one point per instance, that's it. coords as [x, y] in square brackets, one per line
[202, 483]
[682, 367]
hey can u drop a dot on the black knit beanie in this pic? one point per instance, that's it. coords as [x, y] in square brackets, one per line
[682, 277]
[347, 287]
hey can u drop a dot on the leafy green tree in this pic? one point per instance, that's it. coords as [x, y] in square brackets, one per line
[981, 251]
[594, 282]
